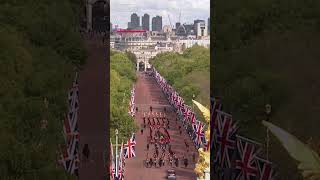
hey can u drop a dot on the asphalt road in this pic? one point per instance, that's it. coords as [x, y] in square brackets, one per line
[149, 93]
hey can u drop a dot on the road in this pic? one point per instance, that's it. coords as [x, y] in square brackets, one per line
[93, 110]
[149, 93]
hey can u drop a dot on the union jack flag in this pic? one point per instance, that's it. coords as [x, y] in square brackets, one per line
[193, 118]
[112, 166]
[187, 113]
[132, 102]
[64, 159]
[225, 140]
[129, 147]
[266, 171]
[66, 128]
[73, 166]
[181, 108]
[206, 144]
[73, 145]
[215, 105]
[199, 133]
[73, 96]
[246, 165]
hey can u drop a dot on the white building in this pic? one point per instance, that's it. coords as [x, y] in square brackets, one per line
[201, 29]
[188, 43]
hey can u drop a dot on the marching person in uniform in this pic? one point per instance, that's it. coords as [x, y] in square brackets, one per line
[185, 162]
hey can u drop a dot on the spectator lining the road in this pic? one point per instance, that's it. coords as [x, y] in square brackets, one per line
[86, 151]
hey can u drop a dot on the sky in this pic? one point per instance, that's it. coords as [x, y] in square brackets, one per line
[121, 10]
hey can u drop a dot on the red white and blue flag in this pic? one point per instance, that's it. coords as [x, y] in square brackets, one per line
[129, 147]
[199, 133]
[187, 113]
[215, 105]
[266, 171]
[132, 102]
[225, 140]
[246, 164]
[111, 164]
[193, 118]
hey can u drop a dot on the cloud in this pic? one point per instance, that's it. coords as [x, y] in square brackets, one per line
[190, 10]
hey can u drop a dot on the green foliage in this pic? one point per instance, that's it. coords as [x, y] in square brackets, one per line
[122, 79]
[188, 73]
[132, 57]
[39, 48]
[265, 52]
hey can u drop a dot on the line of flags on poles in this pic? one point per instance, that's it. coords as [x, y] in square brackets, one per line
[68, 152]
[132, 102]
[186, 112]
[234, 156]
[117, 164]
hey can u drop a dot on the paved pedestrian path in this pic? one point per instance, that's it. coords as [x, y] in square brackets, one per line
[149, 93]
[93, 106]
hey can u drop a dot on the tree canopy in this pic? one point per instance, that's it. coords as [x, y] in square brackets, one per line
[265, 52]
[189, 73]
[122, 79]
[39, 48]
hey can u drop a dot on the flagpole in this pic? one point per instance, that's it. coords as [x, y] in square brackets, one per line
[116, 152]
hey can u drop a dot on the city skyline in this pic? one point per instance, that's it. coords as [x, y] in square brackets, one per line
[121, 10]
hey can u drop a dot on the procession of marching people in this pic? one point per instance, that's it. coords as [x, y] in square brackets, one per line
[159, 150]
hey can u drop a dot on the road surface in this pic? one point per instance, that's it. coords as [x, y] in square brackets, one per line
[93, 110]
[149, 93]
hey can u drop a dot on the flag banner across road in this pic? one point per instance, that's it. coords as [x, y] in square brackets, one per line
[234, 156]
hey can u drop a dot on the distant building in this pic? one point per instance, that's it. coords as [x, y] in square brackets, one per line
[188, 43]
[177, 25]
[181, 30]
[201, 29]
[146, 22]
[135, 21]
[157, 23]
[190, 29]
[198, 21]
[167, 29]
[129, 25]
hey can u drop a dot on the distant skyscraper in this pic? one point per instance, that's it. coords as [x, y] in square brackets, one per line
[157, 23]
[129, 25]
[146, 22]
[135, 21]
